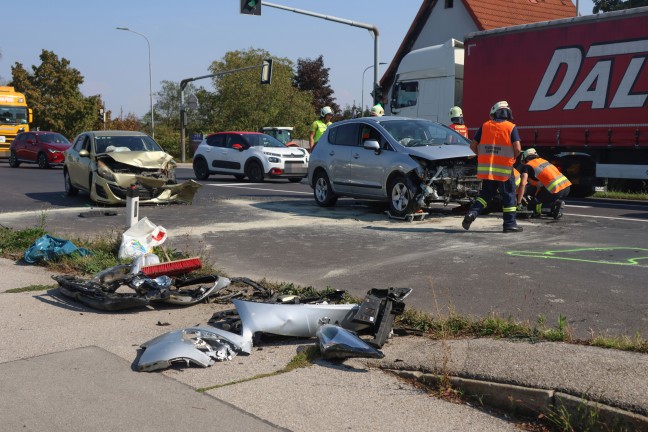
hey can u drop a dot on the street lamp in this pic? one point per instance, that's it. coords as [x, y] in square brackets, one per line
[363, 80]
[150, 80]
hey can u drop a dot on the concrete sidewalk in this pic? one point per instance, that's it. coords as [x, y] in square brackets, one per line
[65, 367]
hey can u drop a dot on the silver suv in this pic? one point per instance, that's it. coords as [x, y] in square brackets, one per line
[409, 163]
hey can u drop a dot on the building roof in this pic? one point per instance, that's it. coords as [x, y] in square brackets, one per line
[487, 15]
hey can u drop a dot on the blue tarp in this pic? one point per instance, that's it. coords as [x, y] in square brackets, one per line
[48, 248]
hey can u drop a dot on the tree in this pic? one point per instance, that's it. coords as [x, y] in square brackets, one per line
[242, 103]
[52, 91]
[313, 77]
[612, 5]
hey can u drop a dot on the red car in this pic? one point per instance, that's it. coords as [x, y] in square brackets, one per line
[44, 148]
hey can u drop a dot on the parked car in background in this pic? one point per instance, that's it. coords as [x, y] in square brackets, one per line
[253, 155]
[409, 163]
[109, 164]
[39, 147]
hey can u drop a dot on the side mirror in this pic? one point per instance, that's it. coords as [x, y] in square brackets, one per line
[30, 141]
[372, 145]
[238, 147]
[84, 153]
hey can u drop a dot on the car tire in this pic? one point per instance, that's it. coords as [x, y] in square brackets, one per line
[254, 172]
[401, 197]
[13, 160]
[239, 176]
[200, 168]
[322, 191]
[69, 189]
[42, 161]
[295, 180]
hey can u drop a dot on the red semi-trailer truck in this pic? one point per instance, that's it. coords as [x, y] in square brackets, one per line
[578, 88]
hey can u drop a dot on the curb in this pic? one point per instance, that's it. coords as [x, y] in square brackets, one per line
[528, 401]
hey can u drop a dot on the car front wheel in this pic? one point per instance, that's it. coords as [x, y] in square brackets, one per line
[42, 161]
[13, 160]
[69, 189]
[201, 170]
[401, 197]
[324, 196]
[254, 172]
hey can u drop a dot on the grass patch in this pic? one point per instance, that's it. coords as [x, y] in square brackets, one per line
[31, 288]
[621, 195]
[304, 358]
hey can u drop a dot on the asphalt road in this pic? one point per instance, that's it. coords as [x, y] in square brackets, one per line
[589, 267]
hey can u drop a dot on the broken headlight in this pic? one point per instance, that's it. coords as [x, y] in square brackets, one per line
[105, 172]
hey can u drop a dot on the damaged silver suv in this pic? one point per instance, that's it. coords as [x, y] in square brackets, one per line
[409, 163]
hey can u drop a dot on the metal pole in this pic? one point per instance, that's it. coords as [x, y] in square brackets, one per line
[370, 27]
[150, 77]
[363, 81]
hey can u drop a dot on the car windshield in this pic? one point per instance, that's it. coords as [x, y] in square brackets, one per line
[107, 144]
[263, 140]
[53, 138]
[419, 132]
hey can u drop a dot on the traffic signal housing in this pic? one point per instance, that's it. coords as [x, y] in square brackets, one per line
[251, 7]
[266, 72]
[101, 115]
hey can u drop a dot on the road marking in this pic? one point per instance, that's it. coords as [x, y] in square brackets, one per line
[257, 188]
[608, 217]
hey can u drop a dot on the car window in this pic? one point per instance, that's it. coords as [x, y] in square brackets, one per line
[232, 139]
[216, 140]
[263, 140]
[78, 143]
[371, 133]
[346, 135]
[405, 94]
[415, 133]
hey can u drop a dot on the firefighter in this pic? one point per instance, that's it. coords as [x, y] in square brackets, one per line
[497, 145]
[456, 117]
[550, 184]
[377, 111]
[319, 127]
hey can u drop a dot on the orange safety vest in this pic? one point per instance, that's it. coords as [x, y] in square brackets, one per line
[547, 175]
[459, 128]
[518, 179]
[495, 156]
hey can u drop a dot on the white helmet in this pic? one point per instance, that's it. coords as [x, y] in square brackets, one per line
[455, 111]
[528, 153]
[326, 110]
[502, 105]
[377, 110]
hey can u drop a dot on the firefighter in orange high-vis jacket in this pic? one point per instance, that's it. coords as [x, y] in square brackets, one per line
[497, 145]
[456, 117]
[550, 184]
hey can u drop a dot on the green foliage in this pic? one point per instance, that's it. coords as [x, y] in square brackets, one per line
[16, 242]
[31, 288]
[246, 105]
[313, 77]
[612, 5]
[52, 91]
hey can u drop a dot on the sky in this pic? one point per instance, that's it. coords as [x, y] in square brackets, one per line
[186, 37]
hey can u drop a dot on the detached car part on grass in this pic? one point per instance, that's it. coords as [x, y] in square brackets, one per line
[100, 292]
[201, 346]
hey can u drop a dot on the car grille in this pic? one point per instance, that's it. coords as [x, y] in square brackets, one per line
[144, 194]
[295, 167]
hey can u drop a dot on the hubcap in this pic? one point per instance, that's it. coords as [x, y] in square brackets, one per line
[399, 197]
[321, 189]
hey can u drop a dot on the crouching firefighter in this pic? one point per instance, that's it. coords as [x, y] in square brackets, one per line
[497, 145]
[551, 186]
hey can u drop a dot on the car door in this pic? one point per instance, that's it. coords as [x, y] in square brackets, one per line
[341, 142]
[79, 166]
[18, 145]
[236, 157]
[214, 151]
[368, 169]
[30, 147]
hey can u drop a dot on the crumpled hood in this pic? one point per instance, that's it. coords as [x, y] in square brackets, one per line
[140, 159]
[440, 152]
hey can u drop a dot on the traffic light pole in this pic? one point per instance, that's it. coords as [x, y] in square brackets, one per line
[370, 27]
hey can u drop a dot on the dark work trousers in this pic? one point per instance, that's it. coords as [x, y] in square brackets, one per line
[506, 190]
[544, 198]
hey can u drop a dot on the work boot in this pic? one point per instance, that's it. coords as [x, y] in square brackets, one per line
[514, 228]
[468, 219]
[557, 209]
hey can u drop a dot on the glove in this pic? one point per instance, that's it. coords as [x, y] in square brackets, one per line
[525, 201]
[521, 207]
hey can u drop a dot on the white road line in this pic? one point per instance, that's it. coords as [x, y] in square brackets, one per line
[256, 188]
[608, 217]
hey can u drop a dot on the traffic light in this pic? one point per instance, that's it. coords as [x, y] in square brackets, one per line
[101, 115]
[266, 72]
[251, 7]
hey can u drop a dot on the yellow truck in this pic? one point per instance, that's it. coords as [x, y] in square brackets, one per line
[15, 117]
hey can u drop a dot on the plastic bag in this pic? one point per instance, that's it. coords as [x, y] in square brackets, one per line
[141, 238]
[48, 248]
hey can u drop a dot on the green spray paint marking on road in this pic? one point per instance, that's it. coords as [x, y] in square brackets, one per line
[580, 255]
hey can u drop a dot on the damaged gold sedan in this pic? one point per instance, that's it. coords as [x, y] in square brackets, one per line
[106, 164]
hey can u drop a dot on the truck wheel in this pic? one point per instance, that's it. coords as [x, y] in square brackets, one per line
[69, 189]
[13, 160]
[401, 197]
